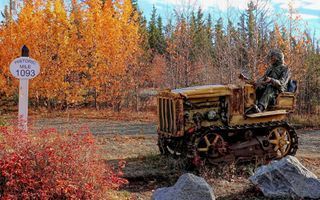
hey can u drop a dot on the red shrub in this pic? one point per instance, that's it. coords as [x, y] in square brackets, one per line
[50, 165]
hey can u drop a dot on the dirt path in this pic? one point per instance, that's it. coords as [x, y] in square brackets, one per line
[103, 126]
[96, 126]
[309, 140]
[309, 143]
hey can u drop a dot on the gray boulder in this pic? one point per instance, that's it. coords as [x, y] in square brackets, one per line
[188, 187]
[286, 178]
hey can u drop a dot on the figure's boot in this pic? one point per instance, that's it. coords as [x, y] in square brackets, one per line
[253, 109]
[260, 108]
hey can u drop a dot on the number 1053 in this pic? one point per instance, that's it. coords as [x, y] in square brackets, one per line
[26, 72]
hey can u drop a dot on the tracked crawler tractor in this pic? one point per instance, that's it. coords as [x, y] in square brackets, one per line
[208, 123]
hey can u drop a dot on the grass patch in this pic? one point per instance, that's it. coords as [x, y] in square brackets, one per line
[119, 195]
[228, 171]
[306, 121]
[166, 162]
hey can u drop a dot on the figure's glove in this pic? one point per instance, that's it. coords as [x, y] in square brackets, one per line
[276, 83]
[268, 80]
[246, 79]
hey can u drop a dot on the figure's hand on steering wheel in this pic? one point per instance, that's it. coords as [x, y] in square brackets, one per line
[246, 79]
[267, 80]
[242, 77]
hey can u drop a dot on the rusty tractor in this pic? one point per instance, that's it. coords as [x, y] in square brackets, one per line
[209, 123]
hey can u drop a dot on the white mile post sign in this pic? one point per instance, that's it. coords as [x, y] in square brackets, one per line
[24, 68]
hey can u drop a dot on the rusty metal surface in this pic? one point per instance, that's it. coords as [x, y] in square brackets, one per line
[205, 91]
[184, 118]
[268, 113]
[249, 95]
[170, 115]
[246, 148]
[286, 100]
[237, 101]
[174, 104]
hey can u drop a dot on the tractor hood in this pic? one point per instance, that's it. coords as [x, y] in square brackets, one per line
[205, 91]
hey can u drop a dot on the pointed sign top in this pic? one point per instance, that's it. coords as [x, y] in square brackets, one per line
[25, 51]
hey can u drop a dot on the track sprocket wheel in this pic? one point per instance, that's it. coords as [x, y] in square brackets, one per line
[283, 140]
[211, 145]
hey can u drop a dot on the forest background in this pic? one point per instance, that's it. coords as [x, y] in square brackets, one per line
[105, 54]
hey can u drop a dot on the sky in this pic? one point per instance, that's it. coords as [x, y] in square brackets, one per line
[309, 10]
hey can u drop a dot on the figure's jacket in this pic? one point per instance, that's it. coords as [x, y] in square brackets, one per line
[279, 74]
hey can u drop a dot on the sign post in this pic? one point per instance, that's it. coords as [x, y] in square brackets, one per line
[24, 68]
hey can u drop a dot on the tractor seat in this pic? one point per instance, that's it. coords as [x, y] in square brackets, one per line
[285, 100]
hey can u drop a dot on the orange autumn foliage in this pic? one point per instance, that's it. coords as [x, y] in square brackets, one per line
[89, 48]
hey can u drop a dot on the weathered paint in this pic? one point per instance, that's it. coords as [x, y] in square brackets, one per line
[241, 120]
[205, 91]
[238, 98]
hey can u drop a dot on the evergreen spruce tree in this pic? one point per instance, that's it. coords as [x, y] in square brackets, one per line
[155, 33]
